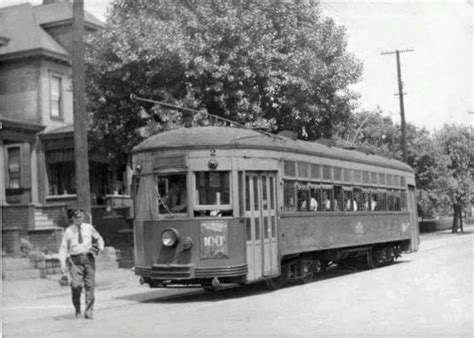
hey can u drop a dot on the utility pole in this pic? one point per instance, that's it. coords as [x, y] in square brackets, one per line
[81, 155]
[400, 95]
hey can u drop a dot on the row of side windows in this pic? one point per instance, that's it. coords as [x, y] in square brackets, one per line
[300, 196]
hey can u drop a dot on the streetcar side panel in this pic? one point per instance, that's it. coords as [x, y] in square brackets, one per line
[330, 231]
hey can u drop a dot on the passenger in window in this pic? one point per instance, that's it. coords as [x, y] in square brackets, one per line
[354, 205]
[348, 205]
[366, 203]
[313, 204]
[301, 202]
[327, 204]
[176, 198]
[373, 204]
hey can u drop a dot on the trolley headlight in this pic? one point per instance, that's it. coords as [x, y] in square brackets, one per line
[170, 237]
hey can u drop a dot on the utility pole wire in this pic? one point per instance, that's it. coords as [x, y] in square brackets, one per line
[133, 97]
[400, 95]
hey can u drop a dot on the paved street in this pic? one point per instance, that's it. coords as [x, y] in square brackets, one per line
[424, 294]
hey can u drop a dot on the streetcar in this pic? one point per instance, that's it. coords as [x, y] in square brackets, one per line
[217, 206]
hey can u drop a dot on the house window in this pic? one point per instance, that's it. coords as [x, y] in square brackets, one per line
[56, 97]
[14, 168]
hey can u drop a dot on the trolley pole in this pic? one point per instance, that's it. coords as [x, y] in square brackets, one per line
[400, 95]
[81, 155]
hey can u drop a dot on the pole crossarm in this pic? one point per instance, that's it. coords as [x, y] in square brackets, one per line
[399, 51]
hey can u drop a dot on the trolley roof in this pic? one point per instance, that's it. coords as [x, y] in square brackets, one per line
[239, 138]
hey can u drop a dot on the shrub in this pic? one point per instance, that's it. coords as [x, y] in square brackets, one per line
[25, 246]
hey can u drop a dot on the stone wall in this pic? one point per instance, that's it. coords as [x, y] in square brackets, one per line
[20, 215]
[47, 240]
[11, 240]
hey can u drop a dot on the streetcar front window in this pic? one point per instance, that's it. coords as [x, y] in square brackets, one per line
[212, 193]
[172, 193]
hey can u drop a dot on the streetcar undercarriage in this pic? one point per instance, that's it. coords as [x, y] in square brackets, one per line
[304, 267]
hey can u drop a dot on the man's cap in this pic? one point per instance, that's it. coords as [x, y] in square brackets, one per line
[75, 213]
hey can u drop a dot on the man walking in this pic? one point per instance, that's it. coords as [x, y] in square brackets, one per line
[79, 241]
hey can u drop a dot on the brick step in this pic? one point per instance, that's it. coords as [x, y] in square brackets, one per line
[13, 263]
[40, 216]
[44, 224]
[12, 275]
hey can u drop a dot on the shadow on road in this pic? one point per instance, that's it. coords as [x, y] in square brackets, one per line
[175, 296]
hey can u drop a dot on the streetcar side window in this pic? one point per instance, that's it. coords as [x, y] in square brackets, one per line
[403, 200]
[327, 198]
[383, 200]
[349, 203]
[337, 203]
[364, 200]
[360, 204]
[303, 197]
[289, 195]
[315, 198]
[374, 198]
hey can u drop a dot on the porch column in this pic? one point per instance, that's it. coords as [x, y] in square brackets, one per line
[34, 173]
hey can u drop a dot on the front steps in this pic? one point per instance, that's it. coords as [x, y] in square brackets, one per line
[42, 221]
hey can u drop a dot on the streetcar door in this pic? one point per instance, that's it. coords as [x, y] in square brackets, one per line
[261, 224]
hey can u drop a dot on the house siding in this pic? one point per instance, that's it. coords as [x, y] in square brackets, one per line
[19, 91]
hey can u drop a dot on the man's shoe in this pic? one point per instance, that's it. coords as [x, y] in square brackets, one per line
[78, 314]
[88, 316]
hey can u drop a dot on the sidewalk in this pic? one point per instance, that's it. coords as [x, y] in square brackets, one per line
[49, 287]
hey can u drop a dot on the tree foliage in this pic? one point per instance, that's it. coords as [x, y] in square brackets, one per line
[276, 64]
[443, 162]
[457, 143]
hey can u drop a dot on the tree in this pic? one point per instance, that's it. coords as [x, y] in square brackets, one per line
[370, 131]
[276, 64]
[457, 143]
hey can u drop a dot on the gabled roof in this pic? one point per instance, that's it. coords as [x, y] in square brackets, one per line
[58, 13]
[18, 23]
[25, 27]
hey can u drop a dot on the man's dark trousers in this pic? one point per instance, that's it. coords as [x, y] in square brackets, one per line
[82, 270]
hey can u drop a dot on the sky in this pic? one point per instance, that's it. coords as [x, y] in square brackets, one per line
[438, 75]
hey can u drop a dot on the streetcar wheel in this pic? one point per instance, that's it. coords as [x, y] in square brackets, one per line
[308, 267]
[275, 283]
[390, 256]
[373, 259]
